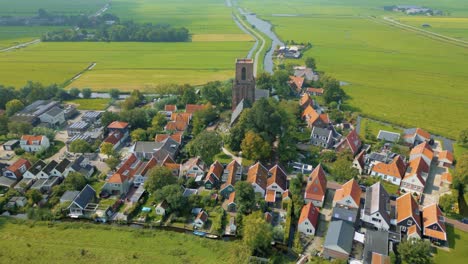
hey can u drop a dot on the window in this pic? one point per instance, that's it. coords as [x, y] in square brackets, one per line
[306, 223]
[434, 227]
[410, 223]
[244, 74]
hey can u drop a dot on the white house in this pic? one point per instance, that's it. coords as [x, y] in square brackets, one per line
[35, 171]
[193, 168]
[424, 151]
[161, 208]
[416, 135]
[349, 196]
[308, 220]
[377, 207]
[257, 176]
[277, 180]
[392, 172]
[34, 143]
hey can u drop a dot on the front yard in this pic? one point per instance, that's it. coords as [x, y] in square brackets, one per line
[458, 247]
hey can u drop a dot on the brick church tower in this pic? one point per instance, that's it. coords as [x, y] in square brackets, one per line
[244, 83]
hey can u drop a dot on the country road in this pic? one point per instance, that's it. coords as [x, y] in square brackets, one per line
[22, 45]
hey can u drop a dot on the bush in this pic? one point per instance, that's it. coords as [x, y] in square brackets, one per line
[19, 151]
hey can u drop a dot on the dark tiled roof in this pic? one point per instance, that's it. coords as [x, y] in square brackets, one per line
[85, 196]
[63, 165]
[50, 166]
[37, 167]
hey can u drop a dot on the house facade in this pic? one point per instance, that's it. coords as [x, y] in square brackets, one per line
[376, 211]
[257, 176]
[31, 143]
[392, 172]
[316, 187]
[308, 220]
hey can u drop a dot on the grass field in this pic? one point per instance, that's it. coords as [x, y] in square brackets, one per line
[99, 104]
[11, 36]
[458, 243]
[122, 65]
[395, 75]
[456, 27]
[85, 243]
[374, 127]
[30, 7]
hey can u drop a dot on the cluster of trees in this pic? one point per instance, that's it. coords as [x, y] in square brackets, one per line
[266, 122]
[120, 32]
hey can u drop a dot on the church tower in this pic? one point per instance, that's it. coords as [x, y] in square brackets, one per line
[243, 87]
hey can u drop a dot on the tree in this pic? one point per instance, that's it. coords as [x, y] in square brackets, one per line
[264, 81]
[245, 197]
[448, 202]
[460, 177]
[310, 62]
[48, 132]
[254, 147]
[75, 92]
[174, 197]
[34, 195]
[80, 146]
[108, 117]
[205, 145]
[3, 125]
[86, 92]
[75, 181]
[188, 96]
[211, 93]
[158, 122]
[332, 90]
[202, 118]
[19, 128]
[343, 169]
[13, 107]
[137, 118]
[158, 177]
[107, 149]
[138, 135]
[296, 194]
[463, 138]
[7, 94]
[257, 233]
[112, 162]
[129, 103]
[280, 83]
[415, 251]
[114, 93]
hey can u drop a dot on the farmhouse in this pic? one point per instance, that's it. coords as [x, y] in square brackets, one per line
[16, 170]
[423, 151]
[316, 187]
[31, 114]
[307, 73]
[201, 219]
[31, 143]
[257, 176]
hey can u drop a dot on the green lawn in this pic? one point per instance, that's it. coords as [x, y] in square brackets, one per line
[91, 104]
[374, 127]
[85, 243]
[12, 36]
[458, 243]
[30, 7]
[394, 75]
[455, 27]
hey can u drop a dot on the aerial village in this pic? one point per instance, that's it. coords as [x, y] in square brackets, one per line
[335, 197]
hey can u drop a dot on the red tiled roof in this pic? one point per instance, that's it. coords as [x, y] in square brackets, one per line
[286, 195]
[447, 177]
[192, 108]
[432, 215]
[315, 90]
[232, 167]
[258, 174]
[423, 149]
[216, 169]
[170, 108]
[350, 188]
[176, 126]
[278, 176]
[30, 139]
[423, 133]
[298, 82]
[114, 138]
[446, 156]
[351, 141]
[183, 117]
[202, 215]
[232, 198]
[177, 137]
[317, 185]
[305, 100]
[406, 207]
[396, 168]
[17, 165]
[118, 125]
[270, 196]
[415, 168]
[309, 211]
[116, 178]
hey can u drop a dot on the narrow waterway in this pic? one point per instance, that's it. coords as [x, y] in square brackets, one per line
[266, 28]
[251, 51]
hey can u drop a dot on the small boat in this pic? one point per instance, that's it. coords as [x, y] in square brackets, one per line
[211, 236]
[199, 233]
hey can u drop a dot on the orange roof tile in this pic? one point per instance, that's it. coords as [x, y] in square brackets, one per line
[232, 198]
[416, 168]
[310, 113]
[177, 137]
[30, 139]
[423, 133]
[351, 141]
[446, 156]
[412, 230]
[406, 207]
[423, 149]
[350, 188]
[286, 195]
[317, 185]
[433, 215]
[315, 90]
[305, 100]
[258, 174]
[184, 117]
[202, 215]
[17, 165]
[170, 108]
[216, 169]
[118, 125]
[396, 168]
[379, 259]
[270, 196]
[116, 178]
[309, 211]
[176, 126]
[447, 177]
[232, 167]
[192, 108]
[298, 82]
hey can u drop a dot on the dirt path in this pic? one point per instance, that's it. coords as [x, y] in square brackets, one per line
[20, 46]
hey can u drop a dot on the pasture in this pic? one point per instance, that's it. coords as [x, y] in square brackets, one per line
[455, 27]
[123, 65]
[84, 243]
[394, 75]
[11, 36]
[30, 7]
[97, 104]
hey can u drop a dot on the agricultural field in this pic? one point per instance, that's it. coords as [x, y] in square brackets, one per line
[30, 7]
[455, 27]
[85, 243]
[12, 36]
[394, 75]
[123, 65]
[97, 104]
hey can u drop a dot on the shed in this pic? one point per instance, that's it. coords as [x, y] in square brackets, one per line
[11, 144]
[339, 240]
[388, 136]
[69, 196]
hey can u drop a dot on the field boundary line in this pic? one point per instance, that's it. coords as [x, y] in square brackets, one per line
[21, 45]
[78, 75]
[435, 36]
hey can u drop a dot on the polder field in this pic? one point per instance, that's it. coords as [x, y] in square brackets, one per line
[394, 75]
[216, 42]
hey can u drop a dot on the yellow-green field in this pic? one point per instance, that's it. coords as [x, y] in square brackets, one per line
[455, 27]
[123, 65]
[98, 104]
[89, 243]
[394, 75]
[30, 7]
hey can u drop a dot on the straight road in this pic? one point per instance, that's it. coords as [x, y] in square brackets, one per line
[22, 45]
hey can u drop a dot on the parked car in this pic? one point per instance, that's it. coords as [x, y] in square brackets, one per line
[464, 220]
